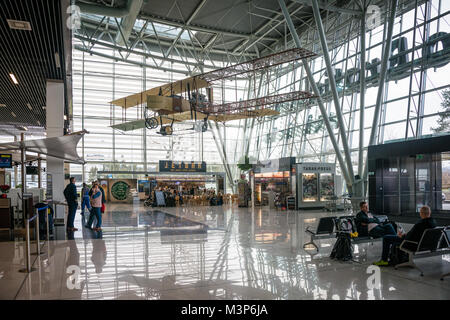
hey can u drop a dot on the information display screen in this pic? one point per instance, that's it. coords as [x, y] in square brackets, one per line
[5, 161]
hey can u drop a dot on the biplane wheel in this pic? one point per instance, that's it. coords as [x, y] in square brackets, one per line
[151, 123]
[204, 127]
[166, 131]
[198, 127]
[169, 130]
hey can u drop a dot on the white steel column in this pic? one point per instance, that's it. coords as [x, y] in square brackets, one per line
[322, 108]
[330, 72]
[55, 128]
[383, 72]
[362, 79]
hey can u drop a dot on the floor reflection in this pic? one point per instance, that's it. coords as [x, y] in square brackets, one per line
[208, 253]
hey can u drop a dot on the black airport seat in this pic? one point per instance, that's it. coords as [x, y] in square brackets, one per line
[325, 230]
[428, 245]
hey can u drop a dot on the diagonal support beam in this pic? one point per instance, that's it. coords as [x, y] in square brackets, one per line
[322, 108]
[333, 87]
[128, 21]
[383, 72]
[261, 29]
[188, 22]
[362, 92]
[324, 5]
[222, 155]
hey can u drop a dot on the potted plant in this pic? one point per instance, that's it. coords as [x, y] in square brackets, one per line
[4, 188]
[245, 163]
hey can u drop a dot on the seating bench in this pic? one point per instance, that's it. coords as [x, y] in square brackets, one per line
[430, 244]
[326, 230]
[446, 237]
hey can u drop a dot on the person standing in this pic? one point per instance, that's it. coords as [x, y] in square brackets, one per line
[96, 203]
[70, 193]
[103, 197]
[85, 202]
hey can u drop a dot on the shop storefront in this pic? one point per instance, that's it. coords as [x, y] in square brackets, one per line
[315, 184]
[188, 178]
[274, 182]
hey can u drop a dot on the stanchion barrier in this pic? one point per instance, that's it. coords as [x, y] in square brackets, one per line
[38, 238]
[46, 221]
[28, 267]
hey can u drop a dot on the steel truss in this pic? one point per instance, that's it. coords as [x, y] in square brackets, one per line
[239, 106]
[258, 64]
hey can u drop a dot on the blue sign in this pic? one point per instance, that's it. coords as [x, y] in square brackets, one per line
[5, 161]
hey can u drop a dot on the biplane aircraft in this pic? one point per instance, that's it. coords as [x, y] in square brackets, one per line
[166, 105]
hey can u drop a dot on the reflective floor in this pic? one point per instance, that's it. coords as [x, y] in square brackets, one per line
[206, 253]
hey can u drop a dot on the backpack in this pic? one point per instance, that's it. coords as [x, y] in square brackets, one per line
[397, 256]
[66, 193]
[345, 225]
[342, 249]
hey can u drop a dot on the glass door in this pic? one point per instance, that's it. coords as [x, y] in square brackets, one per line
[326, 186]
[407, 186]
[423, 178]
[444, 193]
[391, 186]
[309, 192]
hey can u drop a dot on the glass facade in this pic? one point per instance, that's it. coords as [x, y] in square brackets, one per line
[411, 101]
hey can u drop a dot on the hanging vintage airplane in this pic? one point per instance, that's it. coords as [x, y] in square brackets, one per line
[167, 104]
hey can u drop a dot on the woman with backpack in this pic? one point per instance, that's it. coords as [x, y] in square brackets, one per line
[96, 203]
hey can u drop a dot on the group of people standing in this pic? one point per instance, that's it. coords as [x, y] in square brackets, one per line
[91, 198]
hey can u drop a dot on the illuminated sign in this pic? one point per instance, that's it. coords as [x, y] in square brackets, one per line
[316, 167]
[182, 166]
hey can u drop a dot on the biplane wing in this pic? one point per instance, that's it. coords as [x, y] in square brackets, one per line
[139, 124]
[244, 114]
[169, 89]
[186, 116]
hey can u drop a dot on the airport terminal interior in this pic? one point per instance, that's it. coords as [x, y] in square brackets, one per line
[224, 150]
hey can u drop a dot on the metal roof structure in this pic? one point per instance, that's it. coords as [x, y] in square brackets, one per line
[32, 50]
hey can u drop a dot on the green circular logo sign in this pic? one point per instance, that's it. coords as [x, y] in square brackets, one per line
[119, 190]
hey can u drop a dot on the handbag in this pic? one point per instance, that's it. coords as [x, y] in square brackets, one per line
[102, 210]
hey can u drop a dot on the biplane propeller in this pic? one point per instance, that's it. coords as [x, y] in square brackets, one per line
[169, 106]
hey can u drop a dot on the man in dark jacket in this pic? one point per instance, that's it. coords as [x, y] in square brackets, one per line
[368, 225]
[426, 222]
[70, 193]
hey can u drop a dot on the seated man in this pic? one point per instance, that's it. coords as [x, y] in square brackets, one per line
[426, 222]
[368, 225]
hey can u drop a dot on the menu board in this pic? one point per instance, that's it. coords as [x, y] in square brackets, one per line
[290, 203]
[160, 201]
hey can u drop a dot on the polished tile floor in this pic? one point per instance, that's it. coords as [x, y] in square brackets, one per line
[206, 253]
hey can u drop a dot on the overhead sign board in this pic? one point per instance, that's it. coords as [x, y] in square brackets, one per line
[182, 166]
